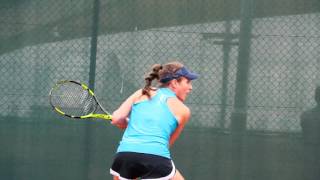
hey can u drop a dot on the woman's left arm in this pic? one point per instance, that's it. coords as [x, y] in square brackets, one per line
[120, 116]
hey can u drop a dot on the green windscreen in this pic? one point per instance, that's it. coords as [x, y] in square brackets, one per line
[255, 112]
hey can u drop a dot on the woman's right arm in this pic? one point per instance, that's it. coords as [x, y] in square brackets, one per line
[182, 113]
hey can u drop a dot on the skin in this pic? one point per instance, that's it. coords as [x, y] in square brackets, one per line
[181, 88]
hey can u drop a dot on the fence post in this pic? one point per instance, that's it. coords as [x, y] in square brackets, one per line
[239, 114]
[92, 73]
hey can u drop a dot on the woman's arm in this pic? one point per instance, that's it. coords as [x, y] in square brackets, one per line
[120, 116]
[182, 113]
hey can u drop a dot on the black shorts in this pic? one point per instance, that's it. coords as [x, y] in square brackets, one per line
[131, 165]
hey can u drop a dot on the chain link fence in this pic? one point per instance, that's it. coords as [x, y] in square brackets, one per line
[258, 60]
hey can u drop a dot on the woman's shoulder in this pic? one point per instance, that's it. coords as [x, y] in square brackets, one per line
[179, 109]
[139, 96]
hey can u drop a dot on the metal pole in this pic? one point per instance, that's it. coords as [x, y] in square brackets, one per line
[92, 74]
[239, 115]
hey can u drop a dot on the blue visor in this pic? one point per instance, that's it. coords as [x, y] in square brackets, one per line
[182, 72]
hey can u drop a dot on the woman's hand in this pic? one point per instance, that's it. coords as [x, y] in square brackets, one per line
[121, 124]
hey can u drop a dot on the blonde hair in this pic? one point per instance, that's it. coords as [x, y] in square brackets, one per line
[158, 72]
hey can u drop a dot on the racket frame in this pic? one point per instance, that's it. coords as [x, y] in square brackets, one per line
[105, 116]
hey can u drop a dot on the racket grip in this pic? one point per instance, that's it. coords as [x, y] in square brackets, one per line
[99, 116]
[104, 116]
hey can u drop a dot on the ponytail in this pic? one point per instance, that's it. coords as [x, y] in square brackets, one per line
[154, 74]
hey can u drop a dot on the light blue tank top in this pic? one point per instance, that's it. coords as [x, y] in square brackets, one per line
[150, 127]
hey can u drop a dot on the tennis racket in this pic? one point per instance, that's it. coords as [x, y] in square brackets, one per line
[76, 100]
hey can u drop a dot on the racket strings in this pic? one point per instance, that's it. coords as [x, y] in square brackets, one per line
[73, 100]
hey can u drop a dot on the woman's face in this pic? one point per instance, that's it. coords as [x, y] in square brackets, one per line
[183, 88]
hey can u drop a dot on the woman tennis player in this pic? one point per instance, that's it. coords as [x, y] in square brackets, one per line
[156, 118]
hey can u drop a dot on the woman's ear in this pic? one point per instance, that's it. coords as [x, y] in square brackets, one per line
[174, 83]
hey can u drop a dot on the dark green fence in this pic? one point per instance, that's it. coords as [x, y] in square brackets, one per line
[259, 63]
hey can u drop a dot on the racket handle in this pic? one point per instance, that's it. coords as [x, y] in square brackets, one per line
[99, 116]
